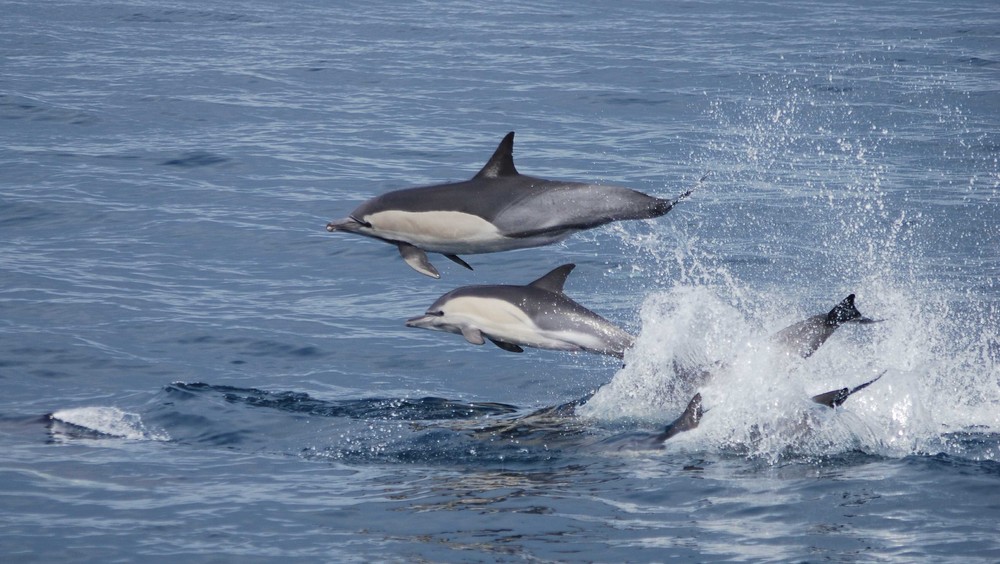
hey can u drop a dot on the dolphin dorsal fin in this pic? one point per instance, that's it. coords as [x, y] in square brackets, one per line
[502, 161]
[554, 281]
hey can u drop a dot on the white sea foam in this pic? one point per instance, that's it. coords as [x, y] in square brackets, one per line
[940, 376]
[110, 421]
[827, 218]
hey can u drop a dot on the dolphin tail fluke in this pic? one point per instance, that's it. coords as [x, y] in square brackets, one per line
[843, 312]
[868, 383]
[664, 205]
[687, 421]
[846, 311]
[417, 259]
[458, 260]
[836, 398]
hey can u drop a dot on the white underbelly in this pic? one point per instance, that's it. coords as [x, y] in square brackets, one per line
[449, 232]
[504, 321]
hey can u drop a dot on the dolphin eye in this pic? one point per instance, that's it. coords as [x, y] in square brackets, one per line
[362, 223]
[438, 313]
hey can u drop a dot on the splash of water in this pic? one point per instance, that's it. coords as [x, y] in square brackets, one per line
[816, 207]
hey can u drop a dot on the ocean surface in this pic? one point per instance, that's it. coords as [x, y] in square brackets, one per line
[194, 370]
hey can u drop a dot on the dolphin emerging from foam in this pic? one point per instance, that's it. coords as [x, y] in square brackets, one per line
[693, 413]
[803, 339]
[806, 336]
[498, 209]
[536, 315]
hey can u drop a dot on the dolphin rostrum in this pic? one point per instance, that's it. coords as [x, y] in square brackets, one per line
[537, 315]
[498, 209]
[806, 336]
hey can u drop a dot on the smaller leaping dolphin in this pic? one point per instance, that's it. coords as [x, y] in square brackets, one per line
[537, 315]
[806, 336]
[498, 209]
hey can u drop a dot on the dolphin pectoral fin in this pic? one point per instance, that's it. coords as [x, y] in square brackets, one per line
[474, 336]
[458, 260]
[687, 421]
[417, 259]
[836, 398]
[510, 347]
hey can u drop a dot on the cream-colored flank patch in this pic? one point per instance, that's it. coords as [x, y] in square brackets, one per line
[504, 321]
[434, 230]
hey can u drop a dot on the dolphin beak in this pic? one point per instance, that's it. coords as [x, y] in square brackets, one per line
[420, 322]
[346, 224]
[866, 320]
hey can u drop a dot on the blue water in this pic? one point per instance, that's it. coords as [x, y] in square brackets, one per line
[194, 369]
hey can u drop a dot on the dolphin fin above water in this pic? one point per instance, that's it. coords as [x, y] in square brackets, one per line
[498, 209]
[417, 259]
[501, 163]
[473, 336]
[509, 347]
[555, 280]
[458, 260]
[687, 421]
[693, 413]
[836, 398]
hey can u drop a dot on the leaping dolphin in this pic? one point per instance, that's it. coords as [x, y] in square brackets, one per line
[537, 315]
[498, 209]
[806, 336]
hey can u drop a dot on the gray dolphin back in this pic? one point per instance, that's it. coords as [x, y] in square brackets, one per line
[523, 206]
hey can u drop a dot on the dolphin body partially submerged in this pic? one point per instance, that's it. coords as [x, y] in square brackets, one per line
[806, 336]
[802, 339]
[693, 413]
[498, 209]
[537, 315]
